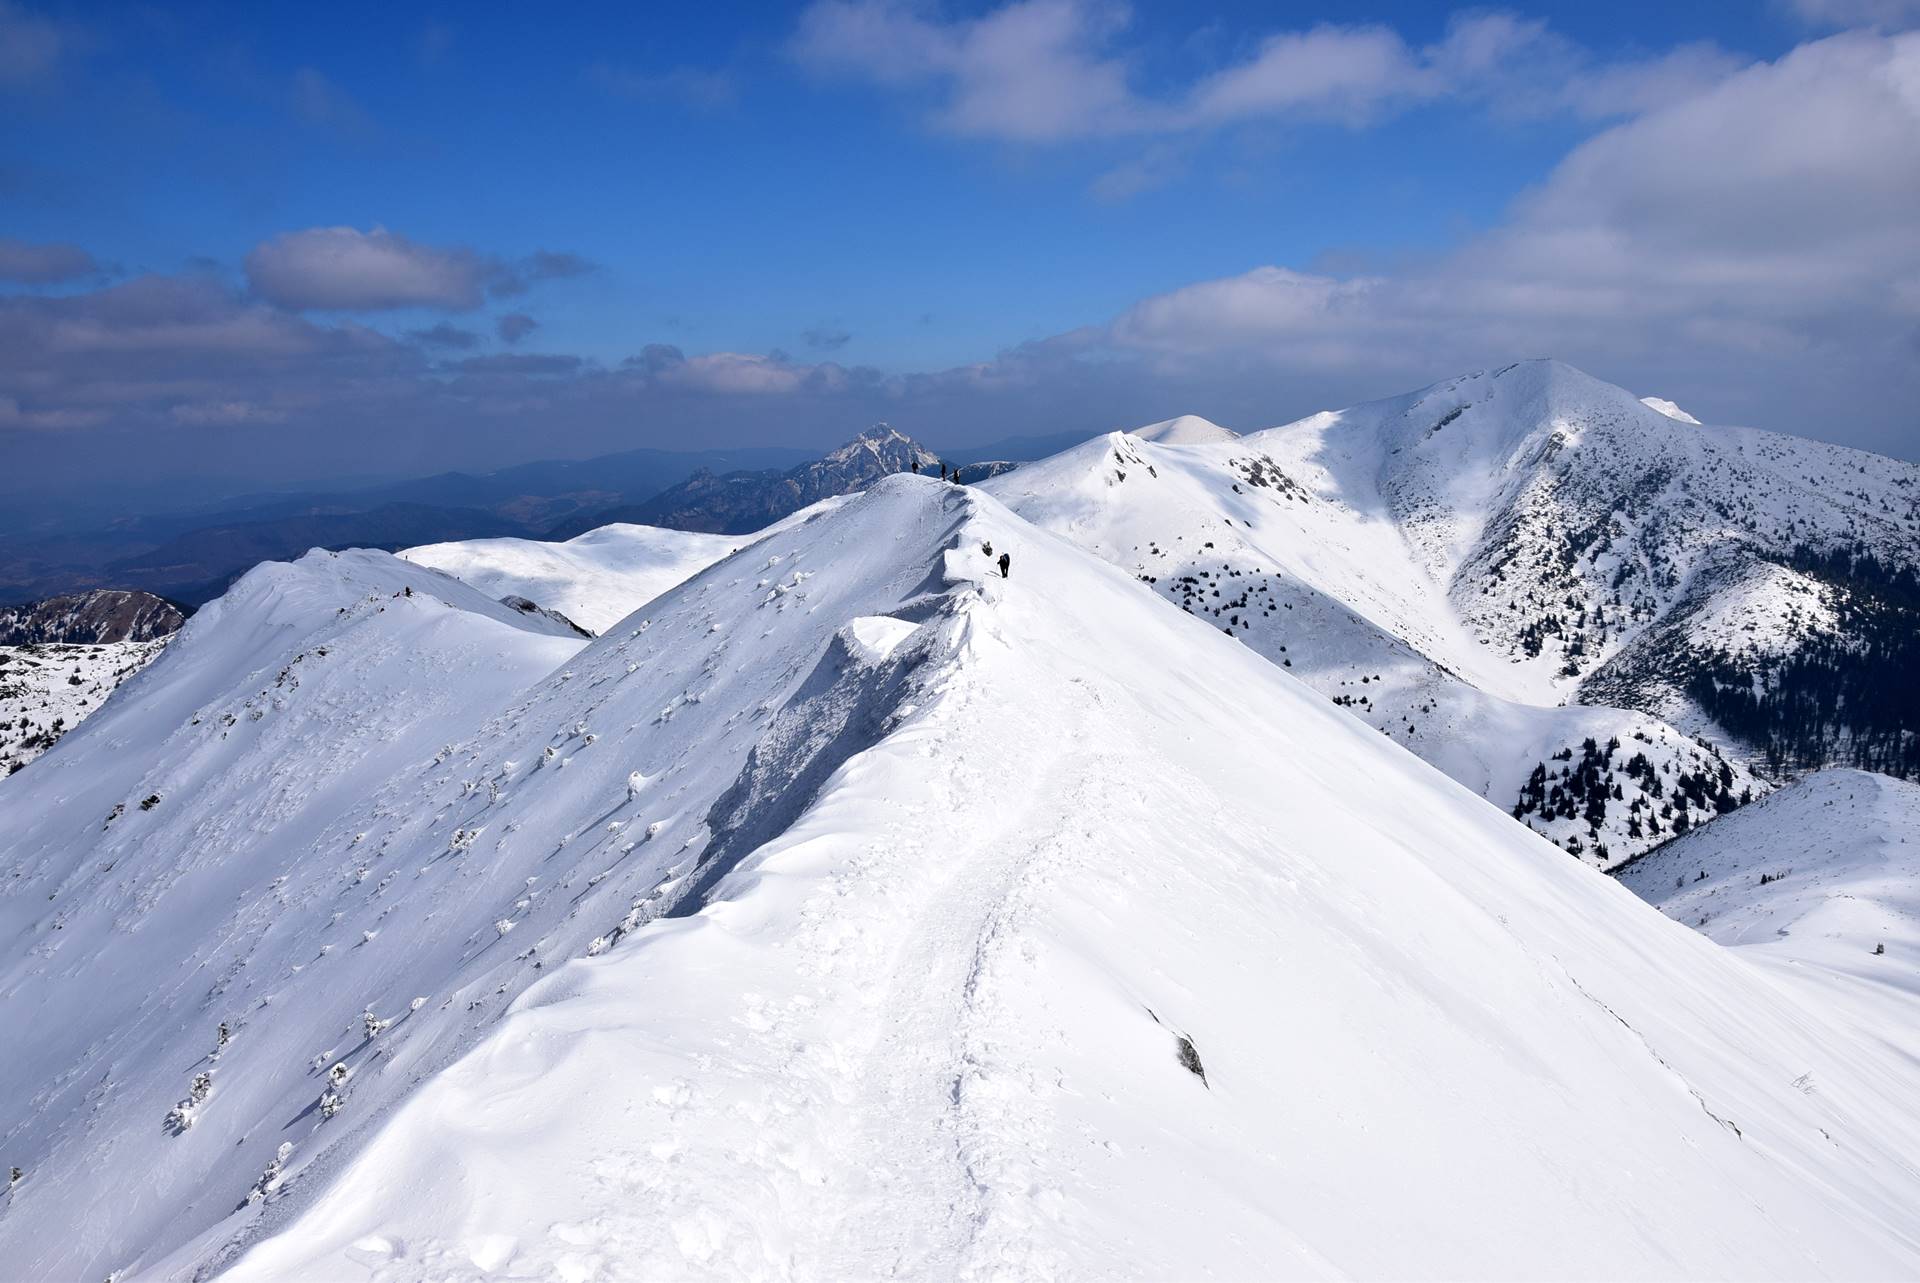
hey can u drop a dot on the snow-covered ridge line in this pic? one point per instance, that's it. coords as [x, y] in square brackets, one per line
[1083, 962]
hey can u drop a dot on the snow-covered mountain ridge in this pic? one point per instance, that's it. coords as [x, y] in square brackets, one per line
[851, 910]
[1598, 547]
[1449, 564]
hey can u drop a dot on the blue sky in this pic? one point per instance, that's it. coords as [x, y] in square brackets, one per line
[974, 220]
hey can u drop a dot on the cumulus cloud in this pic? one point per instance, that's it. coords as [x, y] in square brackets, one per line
[736, 374]
[43, 264]
[1033, 71]
[345, 269]
[515, 326]
[1046, 71]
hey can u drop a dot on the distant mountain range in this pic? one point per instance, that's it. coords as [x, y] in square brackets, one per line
[192, 556]
[744, 501]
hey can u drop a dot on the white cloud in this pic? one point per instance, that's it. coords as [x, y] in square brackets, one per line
[737, 374]
[1344, 72]
[1031, 71]
[347, 269]
[1047, 71]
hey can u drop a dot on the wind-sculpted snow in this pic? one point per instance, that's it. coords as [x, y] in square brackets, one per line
[162, 877]
[1078, 941]
[596, 579]
[372, 809]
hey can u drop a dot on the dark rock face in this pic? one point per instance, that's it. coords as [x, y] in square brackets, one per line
[738, 503]
[526, 607]
[90, 618]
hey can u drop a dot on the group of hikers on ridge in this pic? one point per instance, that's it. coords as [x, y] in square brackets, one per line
[948, 472]
[1005, 561]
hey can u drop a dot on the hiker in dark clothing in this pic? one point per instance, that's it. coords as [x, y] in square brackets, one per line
[915, 465]
[943, 472]
[1005, 561]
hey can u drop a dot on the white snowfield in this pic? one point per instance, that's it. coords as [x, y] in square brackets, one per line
[1840, 854]
[848, 912]
[47, 690]
[595, 579]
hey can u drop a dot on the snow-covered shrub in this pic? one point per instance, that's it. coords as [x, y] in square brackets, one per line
[270, 1177]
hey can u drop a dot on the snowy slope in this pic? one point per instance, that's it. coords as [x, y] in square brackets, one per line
[171, 865]
[46, 691]
[1334, 594]
[1029, 928]
[595, 579]
[1839, 852]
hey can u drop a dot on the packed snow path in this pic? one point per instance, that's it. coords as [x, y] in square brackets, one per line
[1074, 850]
